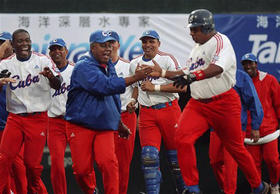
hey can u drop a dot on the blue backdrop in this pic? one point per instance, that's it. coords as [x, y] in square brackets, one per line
[256, 33]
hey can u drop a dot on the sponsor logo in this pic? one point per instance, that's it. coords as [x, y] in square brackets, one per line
[266, 51]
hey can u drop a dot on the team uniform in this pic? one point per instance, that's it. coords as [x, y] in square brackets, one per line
[268, 90]
[124, 147]
[93, 114]
[158, 116]
[56, 136]
[215, 104]
[224, 166]
[27, 120]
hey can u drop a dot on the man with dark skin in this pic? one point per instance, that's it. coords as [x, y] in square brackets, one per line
[268, 89]
[211, 74]
[93, 113]
[56, 137]
[32, 76]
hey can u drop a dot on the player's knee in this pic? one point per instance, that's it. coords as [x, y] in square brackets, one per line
[173, 160]
[150, 156]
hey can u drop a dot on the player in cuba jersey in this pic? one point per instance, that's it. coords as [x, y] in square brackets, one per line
[28, 97]
[56, 135]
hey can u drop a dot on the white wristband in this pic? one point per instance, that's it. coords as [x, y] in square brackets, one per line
[163, 73]
[157, 88]
[132, 100]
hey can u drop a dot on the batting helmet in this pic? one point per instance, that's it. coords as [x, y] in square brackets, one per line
[203, 18]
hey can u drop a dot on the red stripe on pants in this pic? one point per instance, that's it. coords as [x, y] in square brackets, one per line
[223, 115]
[88, 146]
[124, 150]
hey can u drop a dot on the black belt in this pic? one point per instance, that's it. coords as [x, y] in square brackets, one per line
[29, 114]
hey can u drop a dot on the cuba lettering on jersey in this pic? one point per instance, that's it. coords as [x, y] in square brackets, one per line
[167, 62]
[59, 97]
[31, 88]
[122, 70]
[219, 51]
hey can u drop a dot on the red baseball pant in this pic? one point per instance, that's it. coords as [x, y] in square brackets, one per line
[269, 153]
[223, 165]
[222, 114]
[88, 146]
[155, 124]
[29, 130]
[124, 150]
[57, 141]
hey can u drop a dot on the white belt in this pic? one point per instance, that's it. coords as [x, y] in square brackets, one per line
[263, 140]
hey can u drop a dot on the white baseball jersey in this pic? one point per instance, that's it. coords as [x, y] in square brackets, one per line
[31, 91]
[166, 62]
[122, 70]
[59, 97]
[219, 51]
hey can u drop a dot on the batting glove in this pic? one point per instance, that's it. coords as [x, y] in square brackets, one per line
[5, 73]
[183, 80]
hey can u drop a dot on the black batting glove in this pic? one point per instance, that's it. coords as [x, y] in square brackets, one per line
[5, 73]
[183, 80]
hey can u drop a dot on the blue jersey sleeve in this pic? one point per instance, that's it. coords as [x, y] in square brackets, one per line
[96, 80]
[250, 100]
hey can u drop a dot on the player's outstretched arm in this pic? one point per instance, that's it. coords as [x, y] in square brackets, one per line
[55, 82]
[140, 74]
[148, 86]
[159, 72]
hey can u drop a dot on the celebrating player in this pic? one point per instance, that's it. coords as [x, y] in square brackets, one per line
[93, 111]
[33, 75]
[268, 90]
[56, 136]
[210, 72]
[124, 147]
[224, 166]
[159, 113]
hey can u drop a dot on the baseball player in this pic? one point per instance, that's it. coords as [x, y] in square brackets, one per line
[32, 77]
[268, 90]
[18, 182]
[56, 135]
[93, 114]
[224, 166]
[159, 113]
[210, 73]
[124, 147]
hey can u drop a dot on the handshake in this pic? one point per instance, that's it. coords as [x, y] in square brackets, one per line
[179, 77]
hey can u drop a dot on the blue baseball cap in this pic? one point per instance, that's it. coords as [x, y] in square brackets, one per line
[5, 36]
[100, 36]
[150, 33]
[114, 35]
[58, 42]
[249, 57]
